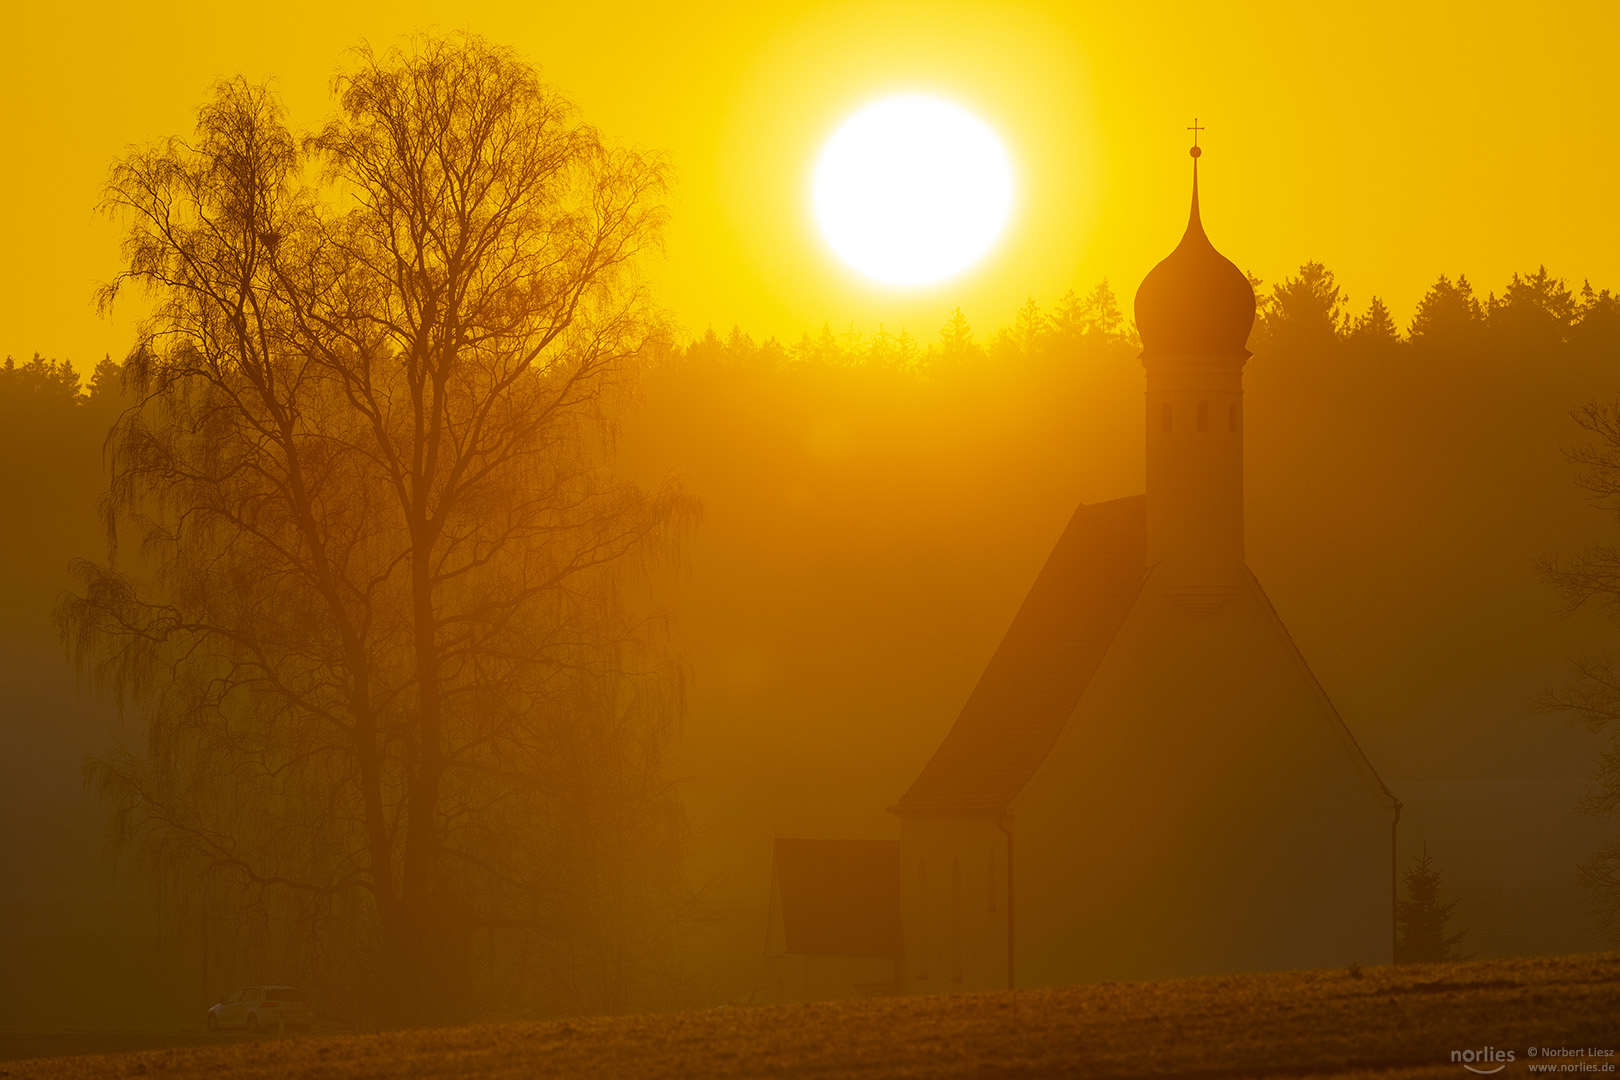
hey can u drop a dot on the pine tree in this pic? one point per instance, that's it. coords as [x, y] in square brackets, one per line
[1448, 317]
[1422, 917]
[1534, 314]
[1375, 332]
[956, 338]
[1029, 328]
[1305, 315]
[1095, 319]
[1103, 317]
[106, 380]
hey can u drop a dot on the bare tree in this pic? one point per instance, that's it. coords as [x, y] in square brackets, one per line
[1593, 698]
[379, 537]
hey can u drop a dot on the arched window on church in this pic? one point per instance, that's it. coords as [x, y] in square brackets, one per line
[1232, 417]
[956, 921]
[920, 971]
[990, 888]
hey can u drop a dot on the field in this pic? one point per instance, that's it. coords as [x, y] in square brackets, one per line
[1385, 1022]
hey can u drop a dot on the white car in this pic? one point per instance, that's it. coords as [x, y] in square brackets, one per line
[261, 1008]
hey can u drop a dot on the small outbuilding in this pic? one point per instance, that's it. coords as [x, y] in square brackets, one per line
[834, 928]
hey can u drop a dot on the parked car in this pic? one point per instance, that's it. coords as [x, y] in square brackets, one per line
[258, 1008]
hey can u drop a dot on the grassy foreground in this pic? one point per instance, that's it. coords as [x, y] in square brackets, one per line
[1388, 1022]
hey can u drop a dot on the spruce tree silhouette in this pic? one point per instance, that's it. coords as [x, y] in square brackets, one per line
[1448, 318]
[956, 338]
[1373, 333]
[1597, 331]
[1421, 918]
[1305, 315]
[1533, 316]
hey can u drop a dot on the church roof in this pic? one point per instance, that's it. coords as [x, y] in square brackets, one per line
[838, 897]
[1044, 663]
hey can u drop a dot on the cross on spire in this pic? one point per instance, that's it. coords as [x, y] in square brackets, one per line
[1195, 129]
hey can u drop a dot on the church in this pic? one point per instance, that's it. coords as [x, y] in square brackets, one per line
[1147, 780]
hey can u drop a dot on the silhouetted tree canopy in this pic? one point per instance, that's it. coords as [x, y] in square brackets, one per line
[1373, 333]
[956, 343]
[1303, 316]
[44, 382]
[1448, 317]
[390, 697]
[1535, 312]
[1597, 329]
[1306, 317]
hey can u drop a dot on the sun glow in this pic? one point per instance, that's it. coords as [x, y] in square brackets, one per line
[912, 190]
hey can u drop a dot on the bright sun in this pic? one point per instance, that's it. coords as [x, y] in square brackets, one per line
[911, 190]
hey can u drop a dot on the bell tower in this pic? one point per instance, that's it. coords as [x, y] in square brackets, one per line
[1194, 311]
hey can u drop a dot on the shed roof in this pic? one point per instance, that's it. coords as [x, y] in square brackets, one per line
[838, 897]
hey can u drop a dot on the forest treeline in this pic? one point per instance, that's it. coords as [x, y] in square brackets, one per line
[1305, 315]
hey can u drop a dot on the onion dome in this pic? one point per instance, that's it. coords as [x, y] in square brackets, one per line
[1195, 302]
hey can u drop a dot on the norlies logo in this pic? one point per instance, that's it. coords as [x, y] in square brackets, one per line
[1485, 1056]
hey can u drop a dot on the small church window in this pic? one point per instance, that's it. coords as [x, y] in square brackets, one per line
[1165, 412]
[956, 920]
[991, 891]
[1203, 416]
[921, 971]
[1231, 417]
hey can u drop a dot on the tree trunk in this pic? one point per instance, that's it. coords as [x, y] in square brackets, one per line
[419, 924]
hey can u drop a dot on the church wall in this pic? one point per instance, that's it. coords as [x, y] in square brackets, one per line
[954, 876]
[1200, 813]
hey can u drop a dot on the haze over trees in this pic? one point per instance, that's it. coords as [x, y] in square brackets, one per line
[1398, 494]
[362, 594]
[1536, 320]
[1592, 698]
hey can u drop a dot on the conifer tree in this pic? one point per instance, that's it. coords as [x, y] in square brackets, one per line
[1422, 917]
[1029, 328]
[1304, 316]
[1375, 331]
[956, 338]
[1448, 318]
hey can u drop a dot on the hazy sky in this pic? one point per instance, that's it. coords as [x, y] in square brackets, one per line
[1393, 141]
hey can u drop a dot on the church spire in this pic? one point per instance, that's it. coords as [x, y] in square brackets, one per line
[1194, 312]
[1195, 302]
[1193, 221]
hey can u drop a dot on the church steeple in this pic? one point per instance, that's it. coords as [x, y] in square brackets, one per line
[1194, 311]
[1196, 300]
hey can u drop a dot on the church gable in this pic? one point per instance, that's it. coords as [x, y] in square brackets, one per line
[1205, 807]
[1329, 712]
[1042, 666]
[1188, 674]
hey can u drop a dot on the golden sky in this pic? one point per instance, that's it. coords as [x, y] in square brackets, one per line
[1393, 141]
